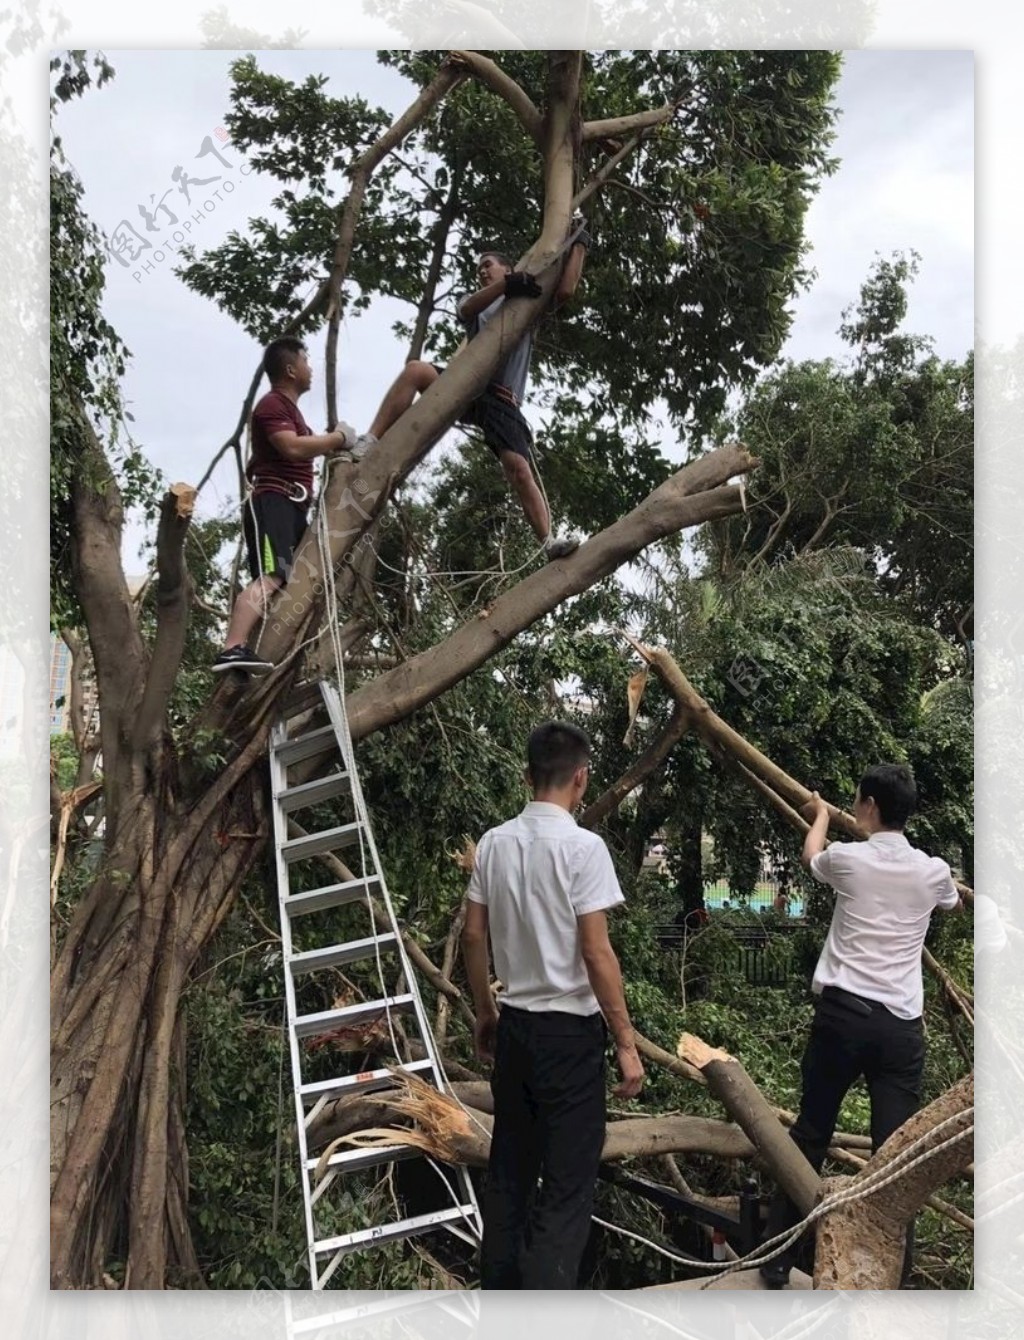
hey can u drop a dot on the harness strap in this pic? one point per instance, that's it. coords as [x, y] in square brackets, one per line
[294, 492]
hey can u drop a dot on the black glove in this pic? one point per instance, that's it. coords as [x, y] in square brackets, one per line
[583, 237]
[520, 285]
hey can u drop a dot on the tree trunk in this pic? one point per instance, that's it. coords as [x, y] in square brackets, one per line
[860, 1244]
[117, 986]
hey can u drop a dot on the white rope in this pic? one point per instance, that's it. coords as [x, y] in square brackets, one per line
[439, 573]
[875, 1181]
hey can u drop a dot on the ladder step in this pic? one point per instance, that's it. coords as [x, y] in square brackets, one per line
[301, 747]
[330, 895]
[356, 1160]
[362, 1083]
[311, 793]
[330, 839]
[308, 1024]
[404, 1228]
[351, 952]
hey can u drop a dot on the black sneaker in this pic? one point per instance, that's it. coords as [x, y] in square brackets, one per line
[241, 658]
[774, 1274]
[561, 546]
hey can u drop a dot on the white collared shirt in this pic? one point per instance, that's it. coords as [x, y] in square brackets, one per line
[886, 891]
[535, 875]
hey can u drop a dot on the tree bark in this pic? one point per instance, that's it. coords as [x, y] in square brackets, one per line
[689, 497]
[741, 1098]
[445, 79]
[860, 1244]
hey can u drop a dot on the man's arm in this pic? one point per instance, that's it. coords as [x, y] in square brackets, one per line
[571, 272]
[605, 978]
[292, 447]
[814, 841]
[476, 302]
[475, 957]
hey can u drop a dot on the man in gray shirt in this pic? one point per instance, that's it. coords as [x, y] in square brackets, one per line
[540, 890]
[496, 412]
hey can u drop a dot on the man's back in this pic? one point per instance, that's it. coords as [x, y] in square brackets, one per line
[536, 874]
[886, 891]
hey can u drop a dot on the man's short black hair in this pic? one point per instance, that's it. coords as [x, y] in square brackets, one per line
[893, 789]
[553, 753]
[499, 256]
[279, 353]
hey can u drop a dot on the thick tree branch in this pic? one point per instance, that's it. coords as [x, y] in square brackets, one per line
[652, 758]
[860, 1244]
[741, 1098]
[561, 143]
[444, 1127]
[685, 499]
[723, 741]
[446, 78]
[172, 603]
[495, 78]
[119, 655]
[615, 126]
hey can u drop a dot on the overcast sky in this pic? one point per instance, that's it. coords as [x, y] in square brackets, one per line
[905, 181]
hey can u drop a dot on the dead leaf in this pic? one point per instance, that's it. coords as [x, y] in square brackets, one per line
[634, 696]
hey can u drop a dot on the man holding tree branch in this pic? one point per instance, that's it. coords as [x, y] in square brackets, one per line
[868, 990]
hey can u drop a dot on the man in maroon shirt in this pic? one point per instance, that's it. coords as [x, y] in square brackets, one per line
[280, 474]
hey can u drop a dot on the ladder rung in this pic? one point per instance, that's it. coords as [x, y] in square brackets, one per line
[371, 1156]
[308, 1024]
[362, 1083]
[311, 793]
[330, 895]
[311, 959]
[301, 747]
[404, 1228]
[330, 839]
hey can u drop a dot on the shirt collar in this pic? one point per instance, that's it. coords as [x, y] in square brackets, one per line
[539, 808]
[890, 838]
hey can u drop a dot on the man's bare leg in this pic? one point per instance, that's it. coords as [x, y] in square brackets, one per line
[248, 610]
[519, 475]
[413, 380]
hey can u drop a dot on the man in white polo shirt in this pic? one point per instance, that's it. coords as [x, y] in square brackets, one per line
[867, 985]
[540, 889]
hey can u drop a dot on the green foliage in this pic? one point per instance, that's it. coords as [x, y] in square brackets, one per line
[699, 251]
[64, 759]
[87, 356]
[877, 454]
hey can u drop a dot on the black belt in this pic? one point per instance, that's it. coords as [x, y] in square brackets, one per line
[858, 1004]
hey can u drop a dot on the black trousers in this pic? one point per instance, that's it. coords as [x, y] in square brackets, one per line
[549, 1117]
[889, 1053]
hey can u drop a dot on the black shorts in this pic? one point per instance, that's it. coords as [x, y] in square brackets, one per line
[272, 525]
[502, 425]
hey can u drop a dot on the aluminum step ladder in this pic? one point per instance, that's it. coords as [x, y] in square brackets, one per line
[336, 922]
